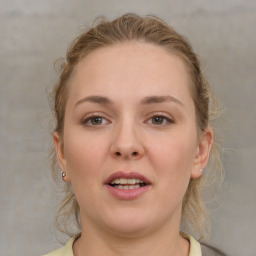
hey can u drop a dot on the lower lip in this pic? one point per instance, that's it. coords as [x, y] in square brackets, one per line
[128, 194]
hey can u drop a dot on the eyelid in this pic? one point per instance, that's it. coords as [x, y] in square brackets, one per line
[169, 119]
[166, 116]
[86, 118]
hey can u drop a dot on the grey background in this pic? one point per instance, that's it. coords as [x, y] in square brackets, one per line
[35, 33]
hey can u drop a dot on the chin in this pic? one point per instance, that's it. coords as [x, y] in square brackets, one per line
[129, 230]
[129, 223]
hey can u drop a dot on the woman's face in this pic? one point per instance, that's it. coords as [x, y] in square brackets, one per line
[130, 142]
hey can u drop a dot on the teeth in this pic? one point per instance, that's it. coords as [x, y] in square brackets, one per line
[131, 181]
[124, 181]
[127, 187]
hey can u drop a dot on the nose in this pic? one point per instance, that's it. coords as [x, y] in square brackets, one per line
[126, 143]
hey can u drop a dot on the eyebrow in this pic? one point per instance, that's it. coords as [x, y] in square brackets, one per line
[145, 101]
[160, 99]
[95, 99]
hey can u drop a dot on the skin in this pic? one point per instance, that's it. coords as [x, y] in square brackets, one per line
[130, 136]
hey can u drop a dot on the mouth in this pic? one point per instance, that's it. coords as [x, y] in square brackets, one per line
[127, 185]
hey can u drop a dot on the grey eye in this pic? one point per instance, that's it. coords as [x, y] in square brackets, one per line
[158, 119]
[96, 120]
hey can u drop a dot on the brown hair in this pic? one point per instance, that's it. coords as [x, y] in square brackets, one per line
[149, 29]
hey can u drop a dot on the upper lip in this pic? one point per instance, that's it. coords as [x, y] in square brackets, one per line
[127, 175]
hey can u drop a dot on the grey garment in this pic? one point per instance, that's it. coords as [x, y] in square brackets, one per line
[211, 251]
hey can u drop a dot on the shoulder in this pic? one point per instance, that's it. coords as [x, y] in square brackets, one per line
[201, 249]
[208, 250]
[66, 250]
[195, 248]
[58, 252]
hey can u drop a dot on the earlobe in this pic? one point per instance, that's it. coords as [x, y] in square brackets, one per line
[59, 149]
[203, 153]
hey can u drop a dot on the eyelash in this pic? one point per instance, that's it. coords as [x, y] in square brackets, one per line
[166, 120]
[90, 118]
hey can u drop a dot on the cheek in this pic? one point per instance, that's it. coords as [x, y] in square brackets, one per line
[172, 162]
[174, 153]
[172, 159]
[83, 154]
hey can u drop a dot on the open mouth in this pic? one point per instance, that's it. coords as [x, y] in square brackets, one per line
[126, 184]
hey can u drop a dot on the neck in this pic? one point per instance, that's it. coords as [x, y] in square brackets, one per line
[164, 242]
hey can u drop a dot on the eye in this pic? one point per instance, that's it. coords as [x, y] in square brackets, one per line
[95, 121]
[160, 120]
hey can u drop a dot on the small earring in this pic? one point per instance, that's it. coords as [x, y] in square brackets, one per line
[201, 170]
[63, 174]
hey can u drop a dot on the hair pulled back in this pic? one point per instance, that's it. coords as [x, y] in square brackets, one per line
[149, 29]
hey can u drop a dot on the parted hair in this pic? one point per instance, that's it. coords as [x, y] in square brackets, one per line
[152, 30]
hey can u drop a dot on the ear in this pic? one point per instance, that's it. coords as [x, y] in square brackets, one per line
[59, 148]
[202, 153]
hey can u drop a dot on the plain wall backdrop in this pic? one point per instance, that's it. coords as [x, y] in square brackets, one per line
[33, 34]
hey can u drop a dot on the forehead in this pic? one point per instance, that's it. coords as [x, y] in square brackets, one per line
[130, 69]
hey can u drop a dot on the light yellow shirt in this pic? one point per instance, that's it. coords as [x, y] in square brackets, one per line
[67, 250]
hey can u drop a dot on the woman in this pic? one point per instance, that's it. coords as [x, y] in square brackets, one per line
[132, 140]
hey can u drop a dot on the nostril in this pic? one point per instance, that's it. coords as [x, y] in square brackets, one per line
[133, 153]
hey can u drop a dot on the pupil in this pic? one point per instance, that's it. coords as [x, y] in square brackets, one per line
[96, 120]
[158, 120]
